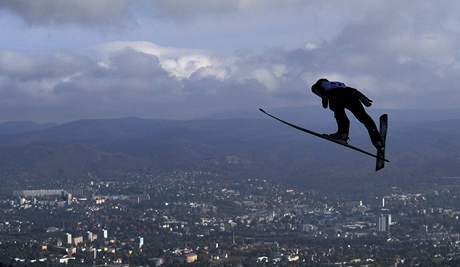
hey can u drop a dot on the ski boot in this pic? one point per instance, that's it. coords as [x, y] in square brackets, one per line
[340, 137]
[377, 140]
[378, 144]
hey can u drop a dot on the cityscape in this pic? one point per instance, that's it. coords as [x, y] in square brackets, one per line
[199, 219]
[229, 133]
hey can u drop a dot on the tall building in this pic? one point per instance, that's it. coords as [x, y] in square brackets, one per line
[382, 226]
[141, 242]
[69, 238]
[69, 199]
[384, 222]
[90, 236]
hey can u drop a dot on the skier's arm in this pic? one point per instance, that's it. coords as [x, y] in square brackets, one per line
[364, 99]
[324, 101]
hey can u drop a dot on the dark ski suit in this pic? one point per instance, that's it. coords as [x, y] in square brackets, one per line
[340, 97]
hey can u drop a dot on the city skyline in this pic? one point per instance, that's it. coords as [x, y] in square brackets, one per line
[186, 218]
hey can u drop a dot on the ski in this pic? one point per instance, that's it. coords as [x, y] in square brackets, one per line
[381, 152]
[323, 136]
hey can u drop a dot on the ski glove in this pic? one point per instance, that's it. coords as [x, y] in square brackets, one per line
[324, 102]
[366, 101]
[363, 99]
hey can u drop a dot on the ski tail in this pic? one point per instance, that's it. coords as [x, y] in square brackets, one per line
[380, 164]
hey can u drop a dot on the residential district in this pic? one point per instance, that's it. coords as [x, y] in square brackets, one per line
[196, 219]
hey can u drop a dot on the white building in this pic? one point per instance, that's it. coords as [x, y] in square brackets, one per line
[384, 222]
[141, 242]
[69, 238]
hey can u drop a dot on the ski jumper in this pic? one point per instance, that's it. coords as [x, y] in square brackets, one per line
[339, 97]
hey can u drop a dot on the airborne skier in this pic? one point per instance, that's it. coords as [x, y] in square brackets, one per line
[339, 97]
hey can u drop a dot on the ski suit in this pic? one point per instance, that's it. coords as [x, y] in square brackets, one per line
[339, 97]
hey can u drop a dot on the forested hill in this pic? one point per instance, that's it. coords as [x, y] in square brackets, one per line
[420, 151]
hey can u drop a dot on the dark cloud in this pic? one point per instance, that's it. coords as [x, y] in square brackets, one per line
[178, 8]
[85, 12]
[401, 54]
[126, 83]
[131, 83]
[90, 12]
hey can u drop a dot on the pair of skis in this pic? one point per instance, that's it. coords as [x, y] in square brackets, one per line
[380, 157]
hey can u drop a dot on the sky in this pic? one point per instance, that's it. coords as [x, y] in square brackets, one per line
[183, 59]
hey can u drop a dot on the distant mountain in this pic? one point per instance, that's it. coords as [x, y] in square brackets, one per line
[235, 148]
[317, 113]
[17, 127]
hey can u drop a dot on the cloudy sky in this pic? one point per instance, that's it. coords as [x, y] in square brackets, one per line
[65, 60]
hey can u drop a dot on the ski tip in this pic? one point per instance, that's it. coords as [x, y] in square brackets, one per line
[262, 110]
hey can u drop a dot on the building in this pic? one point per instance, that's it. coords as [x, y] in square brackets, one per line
[94, 253]
[77, 240]
[105, 233]
[69, 238]
[384, 222]
[69, 199]
[52, 197]
[382, 226]
[91, 236]
[41, 193]
[292, 258]
[191, 258]
[141, 242]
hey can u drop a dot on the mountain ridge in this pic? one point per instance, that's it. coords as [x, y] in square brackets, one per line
[236, 148]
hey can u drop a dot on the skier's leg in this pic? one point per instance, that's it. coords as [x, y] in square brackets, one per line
[343, 123]
[360, 113]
